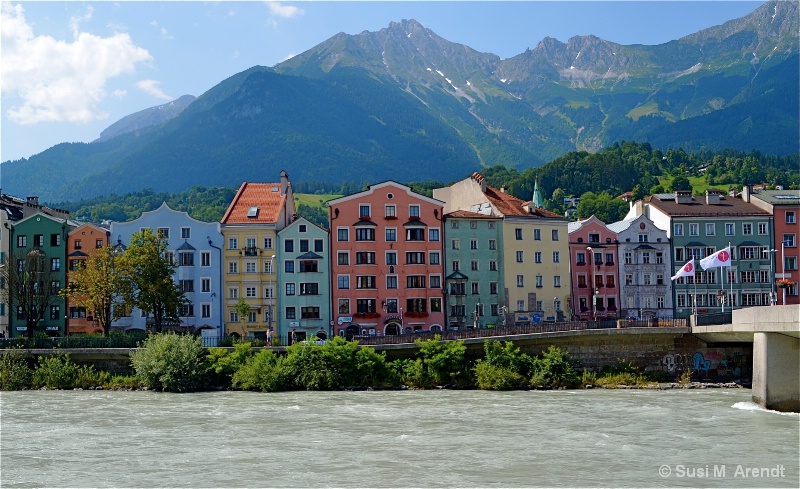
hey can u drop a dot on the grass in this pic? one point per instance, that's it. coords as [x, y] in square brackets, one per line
[314, 200]
[699, 184]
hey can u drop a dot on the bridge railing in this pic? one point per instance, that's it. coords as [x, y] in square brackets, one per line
[713, 319]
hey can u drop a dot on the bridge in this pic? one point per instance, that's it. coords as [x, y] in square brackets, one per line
[775, 334]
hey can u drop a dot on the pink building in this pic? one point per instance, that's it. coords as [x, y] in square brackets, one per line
[594, 269]
[386, 262]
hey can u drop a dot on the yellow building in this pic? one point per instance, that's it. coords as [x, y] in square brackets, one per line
[535, 248]
[250, 255]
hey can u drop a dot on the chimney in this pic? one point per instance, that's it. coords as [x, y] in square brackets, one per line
[731, 192]
[284, 182]
[712, 196]
[32, 200]
[746, 191]
[481, 181]
[683, 196]
[504, 188]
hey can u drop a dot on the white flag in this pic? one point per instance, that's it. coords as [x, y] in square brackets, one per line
[722, 258]
[686, 270]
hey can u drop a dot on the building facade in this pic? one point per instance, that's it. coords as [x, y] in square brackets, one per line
[81, 243]
[194, 247]
[784, 205]
[699, 227]
[250, 229]
[473, 261]
[594, 259]
[303, 282]
[645, 269]
[387, 274]
[535, 247]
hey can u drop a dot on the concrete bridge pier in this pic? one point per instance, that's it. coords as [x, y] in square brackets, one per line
[776, 382]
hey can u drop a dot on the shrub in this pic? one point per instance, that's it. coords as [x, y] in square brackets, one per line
[443, 362]
[265, 372]
[55, 372]
[171, 363]
[589, 378]
[224, 363]
[15, 374]
[491, 377]
[335, 364]
[554, 369]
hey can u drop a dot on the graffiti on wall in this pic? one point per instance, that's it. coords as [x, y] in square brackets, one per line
[713, 362]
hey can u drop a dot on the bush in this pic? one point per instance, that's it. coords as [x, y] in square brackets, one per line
[15, 374]
[265, 372]
[335, 364]
[56, 372]
[503, 367]
[224, 363]
[171, 363]
[554, 369]
[443, 362]
[491, 377]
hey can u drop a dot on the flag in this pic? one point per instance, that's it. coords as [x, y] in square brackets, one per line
[686, 270]
[722, 258]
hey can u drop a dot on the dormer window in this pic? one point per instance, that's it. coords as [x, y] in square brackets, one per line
[252, 213]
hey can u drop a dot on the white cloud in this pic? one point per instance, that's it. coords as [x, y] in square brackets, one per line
[58, 80]
[151, 87]
[284, 11]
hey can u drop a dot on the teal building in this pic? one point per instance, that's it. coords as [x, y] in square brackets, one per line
[304, 295]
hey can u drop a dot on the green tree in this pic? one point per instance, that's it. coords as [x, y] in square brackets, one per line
[25, 279]
[605, 207]
[680, 182]
[146, 272]
[171, 363]
[97, 285]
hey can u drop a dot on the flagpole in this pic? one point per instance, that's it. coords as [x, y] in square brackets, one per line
[734, 275]
[722, 297]
[694, 301]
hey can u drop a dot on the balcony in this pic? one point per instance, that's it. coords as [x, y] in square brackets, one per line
[609, 263]
[251, 251]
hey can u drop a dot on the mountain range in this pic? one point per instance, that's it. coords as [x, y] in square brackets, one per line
[403, 103]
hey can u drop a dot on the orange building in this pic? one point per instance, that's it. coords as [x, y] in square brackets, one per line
[386, 262]
[81, 242]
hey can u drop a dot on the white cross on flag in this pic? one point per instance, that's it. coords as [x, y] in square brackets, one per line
[686, 270]
[722, 258]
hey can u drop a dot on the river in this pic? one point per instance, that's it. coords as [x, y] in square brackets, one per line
[434, 438]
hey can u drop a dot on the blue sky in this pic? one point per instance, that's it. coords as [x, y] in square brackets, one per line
[70, 69]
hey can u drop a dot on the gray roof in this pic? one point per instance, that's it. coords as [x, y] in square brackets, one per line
[619, 226]
[778, 197]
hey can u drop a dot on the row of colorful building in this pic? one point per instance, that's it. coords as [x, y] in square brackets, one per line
[394, 261]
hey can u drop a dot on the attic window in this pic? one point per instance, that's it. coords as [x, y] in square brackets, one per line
[252, 212]
[275, 188]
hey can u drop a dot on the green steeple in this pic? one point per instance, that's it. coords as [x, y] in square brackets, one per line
[537, 195]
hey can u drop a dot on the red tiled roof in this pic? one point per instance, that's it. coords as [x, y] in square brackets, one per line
[266, 196]
[727, 207]
[470, 215]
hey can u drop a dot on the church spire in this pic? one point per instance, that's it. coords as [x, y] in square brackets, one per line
[537, 195]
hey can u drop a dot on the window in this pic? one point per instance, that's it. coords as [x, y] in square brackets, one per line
[288, 246]
[391, 234]
[747, 228]
[415, 234]
[415, 281]
[435, 281]
[365, 306]
[475, 286]
[309, 266]
[628, 279]
[186, 233]
[762, 228]
[55, 286]
[365, 258]
[473, 224]
[365, 234]
[609, 258]
[304, 243]
[679, 254]
[433, 257]
[288, 266]
[363, 210]
[343, 281]
[390, 210]
[290, 288]
[594, 238]
[268, 292]
[711, 229]
[554, 235]
[537, 257]
[391, 258]
[678, 228]
[205, 310]
[648, 279]
[473, 244]
[519, 256]
[309, 312]
[492, 244]
[413, 210]
[205, 258]
[77, 312]
[694, 229]
[644, 238]
[520, 280]
[556, 256]
[344, 306]
[319, 246]
[309, 288]
[729, 229]
[416, 305]
[22, 241]
[365, 282]
[646, 257]
[78, 244]
[537, 234]
[493, 288]
[518, 233]
[342, 258]
[790, 217]
[267, 243]
[55, 312]
[790, 263]
[473, 265]
[233, 293]
[55, 264]
[205, 285]
[342, 234]
[186, 258]
[457, 288]
[456, 266]
[186, 285]
[55, 240]
[233, 243]
[453, 224]
[659, 257]
[557, 280]
[659, 279]
[415, 258]
[433, 234]
[291, 312]
[455, 244]
[436, 304]
[391, 281]
[250, 292]
[789, 241]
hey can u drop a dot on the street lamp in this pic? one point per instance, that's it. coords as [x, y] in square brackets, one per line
[773, 296]
[271, 293]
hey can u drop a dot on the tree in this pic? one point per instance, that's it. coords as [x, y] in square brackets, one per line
[680, 182]
[97, 285]
[604, 206]
[146, 272]
[25, 284]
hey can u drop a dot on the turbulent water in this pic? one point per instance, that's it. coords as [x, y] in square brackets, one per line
[436, 438]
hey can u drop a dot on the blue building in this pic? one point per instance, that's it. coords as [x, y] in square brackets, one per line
[304, 294]
[196, 248]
